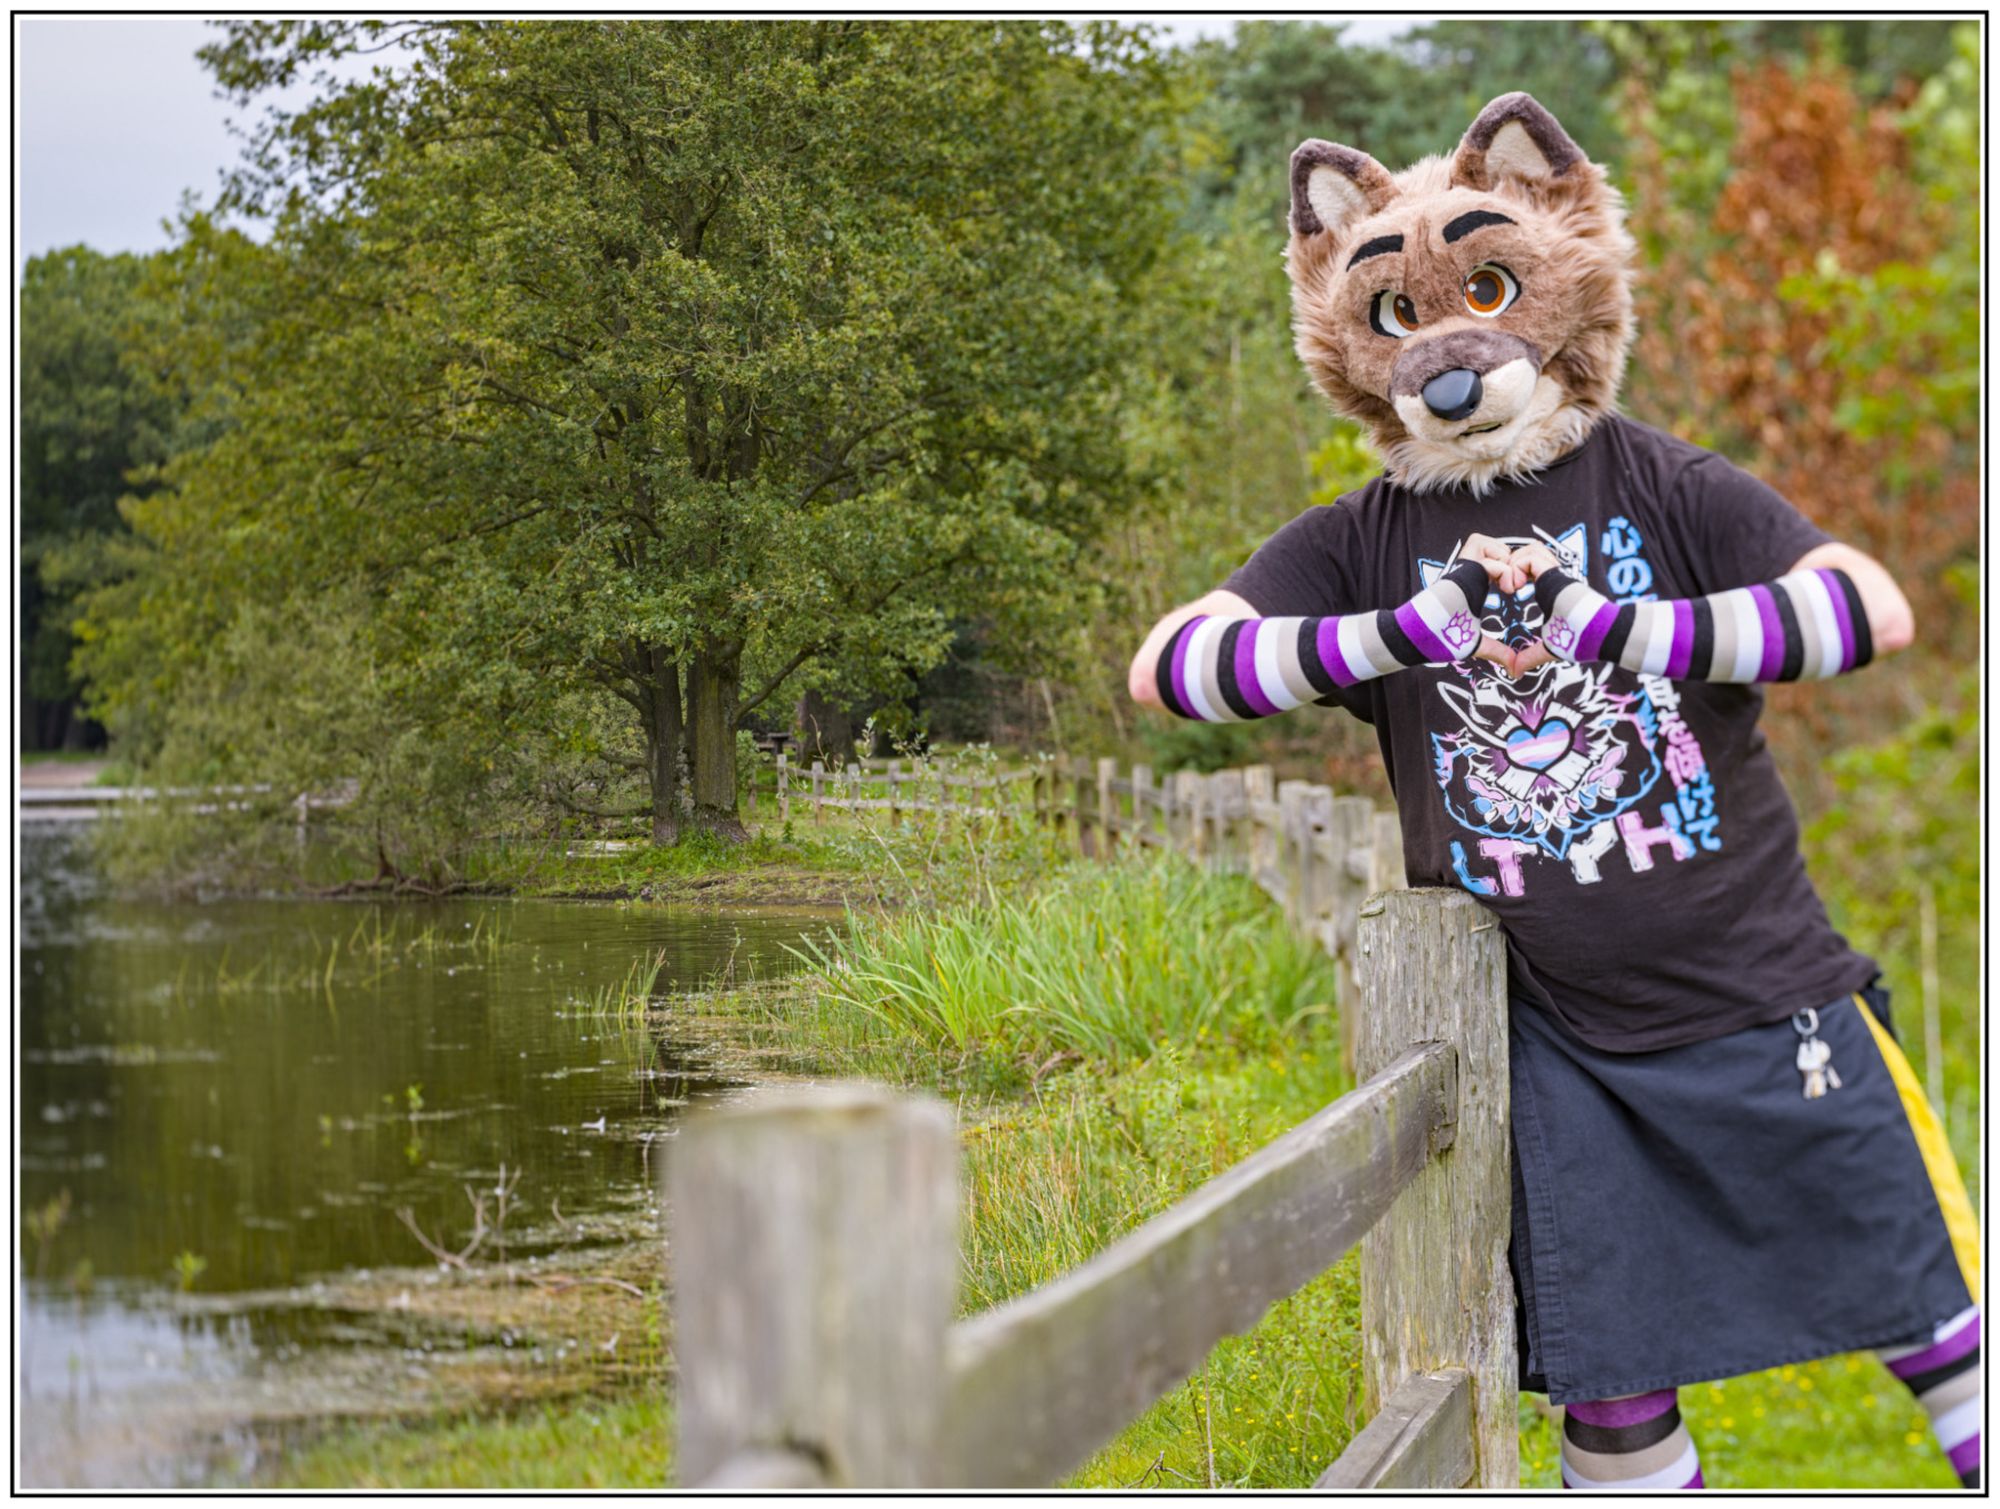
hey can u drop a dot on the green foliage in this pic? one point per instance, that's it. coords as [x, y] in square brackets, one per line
[667, 360]
[88, 426]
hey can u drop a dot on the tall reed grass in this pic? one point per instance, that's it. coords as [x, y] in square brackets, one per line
[1105, 962]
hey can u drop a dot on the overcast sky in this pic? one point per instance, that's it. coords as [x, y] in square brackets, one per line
[117, 119]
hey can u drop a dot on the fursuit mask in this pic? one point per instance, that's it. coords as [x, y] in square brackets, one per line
[1472, 311]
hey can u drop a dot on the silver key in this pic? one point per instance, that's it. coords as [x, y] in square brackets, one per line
[1815, 1059]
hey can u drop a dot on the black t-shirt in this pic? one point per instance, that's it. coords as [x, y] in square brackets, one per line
[1630, 832]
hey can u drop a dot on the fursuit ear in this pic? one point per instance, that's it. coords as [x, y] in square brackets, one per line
[1513, 138]
[1334, 186]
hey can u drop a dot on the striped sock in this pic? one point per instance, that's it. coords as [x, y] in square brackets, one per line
[1226, 670]
[1629, 1444]
[1943, 1372]
[1804, 626]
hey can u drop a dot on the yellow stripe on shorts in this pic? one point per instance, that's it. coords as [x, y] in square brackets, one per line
[1949, 1188]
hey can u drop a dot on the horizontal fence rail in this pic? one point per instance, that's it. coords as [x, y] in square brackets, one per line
[814, 1237]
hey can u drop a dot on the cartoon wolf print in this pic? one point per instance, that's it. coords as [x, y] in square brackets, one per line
[1544, 759]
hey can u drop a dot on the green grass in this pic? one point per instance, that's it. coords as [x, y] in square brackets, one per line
[620, 1442]
[1100, 963]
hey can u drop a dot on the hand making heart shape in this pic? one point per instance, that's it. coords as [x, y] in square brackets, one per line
[1511, 570]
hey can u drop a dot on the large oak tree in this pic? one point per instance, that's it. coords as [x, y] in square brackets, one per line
[690, 361]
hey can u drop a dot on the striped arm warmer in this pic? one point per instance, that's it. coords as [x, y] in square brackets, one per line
[1807, 625]
[1225, 670]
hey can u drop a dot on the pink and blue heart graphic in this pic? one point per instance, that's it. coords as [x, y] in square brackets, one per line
[1540, 747]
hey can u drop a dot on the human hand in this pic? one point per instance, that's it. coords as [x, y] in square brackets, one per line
[1505, 655]
[1530, 561]
[1497, 560]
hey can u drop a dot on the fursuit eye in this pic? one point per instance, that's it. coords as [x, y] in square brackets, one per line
[1490, 288]
[1393, 314]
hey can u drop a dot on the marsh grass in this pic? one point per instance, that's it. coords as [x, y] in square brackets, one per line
[628, 1001]
[1107, 964]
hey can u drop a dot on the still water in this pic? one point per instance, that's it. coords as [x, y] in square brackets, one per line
[221, 1105]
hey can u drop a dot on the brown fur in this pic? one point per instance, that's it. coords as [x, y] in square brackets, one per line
[1572, 321]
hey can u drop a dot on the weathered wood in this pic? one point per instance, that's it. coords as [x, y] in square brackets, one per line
[1350, 829]
[784, 789]
[1082, 777]
[1319, 894]
[1293, 853]
[1387, 868]
[764, 1472]
[1107, 809]
[1232, 829]
[1039, 1383]
[819, 803]
[1435, 1288]
[814, 1236]
[1421, 1439]
[1187, 810]
[895, 779]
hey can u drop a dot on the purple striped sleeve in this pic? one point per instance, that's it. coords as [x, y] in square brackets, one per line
[1591, 640]
[1774, 633]
[1965, 1456]
[1411, 622]
[1246, 670]
[1330, 656]
[1682, 649]
[1180, 662]
[1840, 616]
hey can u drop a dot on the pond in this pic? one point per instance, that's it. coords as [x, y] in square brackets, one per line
[223, 1105]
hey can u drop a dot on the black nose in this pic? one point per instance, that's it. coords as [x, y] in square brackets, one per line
[1454, 394]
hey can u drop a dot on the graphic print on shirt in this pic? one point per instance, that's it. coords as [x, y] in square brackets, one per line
[1565, 763]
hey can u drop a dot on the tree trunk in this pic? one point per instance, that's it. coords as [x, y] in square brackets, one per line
[662, 696]
[714, 682]
[826, 732]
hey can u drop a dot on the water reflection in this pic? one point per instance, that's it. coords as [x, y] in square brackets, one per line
[239, 1096]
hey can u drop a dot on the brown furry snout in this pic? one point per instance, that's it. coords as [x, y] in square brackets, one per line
[1477, 351]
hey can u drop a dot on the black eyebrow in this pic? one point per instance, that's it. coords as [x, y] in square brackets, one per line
[1471, 221]
[1375, 248]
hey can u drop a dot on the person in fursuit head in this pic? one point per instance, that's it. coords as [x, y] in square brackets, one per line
[1557, 621]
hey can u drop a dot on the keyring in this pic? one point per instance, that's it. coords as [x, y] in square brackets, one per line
[1806, 1022]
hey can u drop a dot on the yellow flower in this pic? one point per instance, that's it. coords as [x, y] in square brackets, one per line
[1729, 1422]
[1805, 1385]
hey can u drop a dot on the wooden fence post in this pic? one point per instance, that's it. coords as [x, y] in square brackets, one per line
[784, 790]
[1142, 802]
[813, 1278]
[1080, 779]
[1187, 813]
[1107, 810]
[1435, 1288]
[819, 802]
[895, 787]
[1293, 854]
[1226, 801]
[1352, 828]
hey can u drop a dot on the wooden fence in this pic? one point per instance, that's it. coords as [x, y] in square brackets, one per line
[889, 786]
[814, 1230]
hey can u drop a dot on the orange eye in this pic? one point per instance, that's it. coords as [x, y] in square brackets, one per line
[1490, 288]
[1393, 314]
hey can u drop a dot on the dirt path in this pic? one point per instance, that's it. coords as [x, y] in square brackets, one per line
[59, 775]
